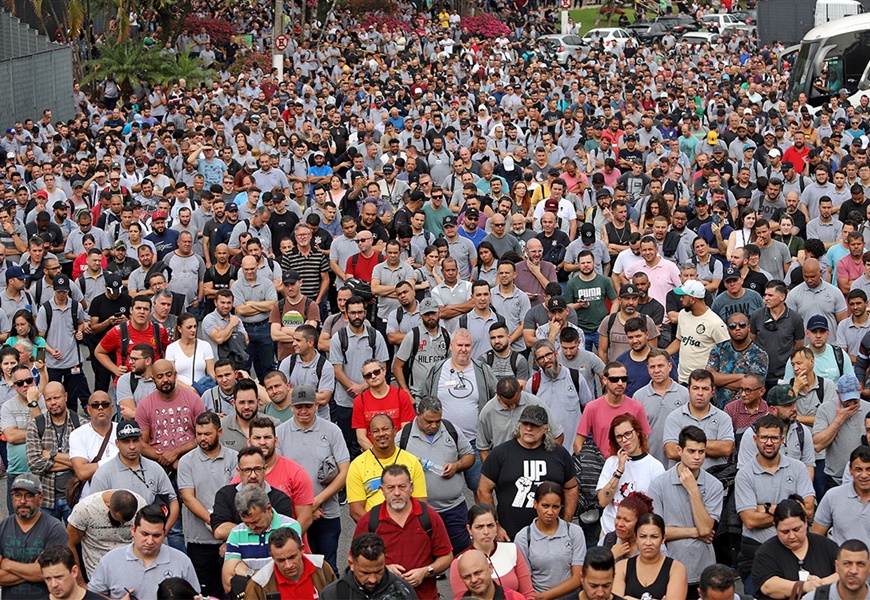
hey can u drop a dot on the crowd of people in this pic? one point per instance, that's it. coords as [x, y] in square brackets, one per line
[540, 332]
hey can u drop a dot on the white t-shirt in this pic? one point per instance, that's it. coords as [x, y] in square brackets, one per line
[184, 364]
[85, 443]
[636, 478]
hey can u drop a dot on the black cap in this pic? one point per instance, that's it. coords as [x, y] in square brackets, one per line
[61, 283]
[291, 276]
[587, 232]
[113, 283]
[731, 273]
[557, 303]
[128, 428]
[448, 221]
[535, 415]
[629, 290]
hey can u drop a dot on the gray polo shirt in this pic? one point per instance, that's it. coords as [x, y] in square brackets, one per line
[512, 309]
[478, 326]
[342, 248]
[826, 299]
[716, 424]
[187, 273]
[61, 334]
[10, 306]
[445, 295]
[91, 287]
[440, 448]
[657, 408]
[358, 351]
[310, 448]
[841, 509]
[261, 290]
[849, 335]
[233, 437]
[214, 321]
[774, 258]
[564, 401]
[463, 250]
[204, 475]
[791, 448]
[264, 234]
[120, 569]
[124, 389]
[497, 422]
[306, 374]
[547, 555]
[671, 501]
[847, 438]
[389, 276]
[755, 485]
[409, 320]
[74, 240]
[148, 480]
[827, 232]
[430, 351]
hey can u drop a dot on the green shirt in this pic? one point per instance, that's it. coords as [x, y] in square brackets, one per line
[596, 292]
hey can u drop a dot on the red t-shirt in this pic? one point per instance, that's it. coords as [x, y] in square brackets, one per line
[112, 341]
[797, 157]
[410, 545]
[364, 266]
[289, 477]
[304, 588]
[397, 404]
[598, 415]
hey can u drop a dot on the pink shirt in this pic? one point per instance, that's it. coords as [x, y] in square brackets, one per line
[289, 477]
[170, 423]
[663, 277]
[848, 269]
[598, 415]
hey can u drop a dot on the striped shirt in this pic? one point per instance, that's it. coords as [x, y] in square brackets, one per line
[253, 548]
[308, 267]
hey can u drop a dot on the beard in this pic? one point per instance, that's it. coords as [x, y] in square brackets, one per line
[552, 372]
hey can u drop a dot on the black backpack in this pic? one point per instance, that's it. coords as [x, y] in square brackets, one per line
[406, 434]
[321, 361]
[49, 314]
[489, 358]
[425, 521]
[125, 340]
[463, 319]
[41, 423]
[343, 340]
[408, 367]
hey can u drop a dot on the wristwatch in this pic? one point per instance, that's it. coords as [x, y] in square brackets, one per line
[52, 454]
[430, 571]
[767, 506]
[249, 573]
[33, 404]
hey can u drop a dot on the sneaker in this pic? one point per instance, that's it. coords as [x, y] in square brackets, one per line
[342, 496]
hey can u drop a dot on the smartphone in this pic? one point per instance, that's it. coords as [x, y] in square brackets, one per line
[118, 315]
[40, 353]
[715, 219]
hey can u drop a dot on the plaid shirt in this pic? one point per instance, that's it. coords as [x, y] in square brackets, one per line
[38, 463]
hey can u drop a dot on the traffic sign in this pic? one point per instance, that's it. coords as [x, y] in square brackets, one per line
[565, 4]
[282, 41]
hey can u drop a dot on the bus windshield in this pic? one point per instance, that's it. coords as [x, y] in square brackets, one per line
[802, 71]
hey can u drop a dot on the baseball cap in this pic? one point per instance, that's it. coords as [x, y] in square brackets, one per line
[291, 276]
[628, 290]
[319, 153]
[158, 216]
[818, 322]
[61, 282]
[848, 388]
[388, 169]
[712, 137]
[448, 221]
[27, 482]
[534, 415]
[429, 305]
[692, 288]
[232, 207]
[14, 272]
[303, 394]
[781, 395]
[603, 193]
[731, 273]
[128, 428]
[787, 165]
[472, 212]
[119, 244]
[587, 232]
[551, 205]
[749, 146]
[59, 205]
[77, 183]
[774, 153]
[557, 303]
[113, 283]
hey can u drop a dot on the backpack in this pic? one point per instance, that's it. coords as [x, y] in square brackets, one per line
[489, 358]
[838, 356]
[49, 314]
[406, 433]
[823, 592]
[820, 395]
[575, 377]
[408, 367]
[360, 288]
[321, 360]
[425, 521]
[588, 463]
[463, 319]
[125, 341]
[41, 423]
[343, 340]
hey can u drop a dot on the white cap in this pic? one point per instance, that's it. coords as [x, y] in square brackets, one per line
[508, 163]
[774, 153]
[693, 288]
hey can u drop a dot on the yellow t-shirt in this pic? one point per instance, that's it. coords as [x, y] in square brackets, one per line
[364, 476]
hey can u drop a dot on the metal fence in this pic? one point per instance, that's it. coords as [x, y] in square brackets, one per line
[35, 73]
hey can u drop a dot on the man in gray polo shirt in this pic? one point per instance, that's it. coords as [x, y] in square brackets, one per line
[461, 248]
[129, 470]
[424, 346]
[501, 415]
[674, 493]
[349, 348]
[767, 480]
[510, 302]
[201, 473]
[660, 397]
[839, 426]
[444, 453]
[253, 298]
[846, 507]
[715, 423]
[385, 276]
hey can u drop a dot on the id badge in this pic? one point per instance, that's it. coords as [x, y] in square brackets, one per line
[75, 370]
[803, 575]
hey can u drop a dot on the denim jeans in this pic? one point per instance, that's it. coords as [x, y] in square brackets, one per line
[60, 511]
[591, 341]
[323, 535]
[175, 538]
[260, 349]
[472, 475]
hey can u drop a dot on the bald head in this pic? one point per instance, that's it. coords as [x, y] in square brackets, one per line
[53, 388]
[475, 572]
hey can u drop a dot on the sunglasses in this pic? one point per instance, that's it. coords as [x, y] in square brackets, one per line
[737, 325]
[617, 379]
[100, 404]
[371, 374]
[22, 382]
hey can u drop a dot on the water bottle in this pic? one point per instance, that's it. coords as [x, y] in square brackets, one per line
[428, 465]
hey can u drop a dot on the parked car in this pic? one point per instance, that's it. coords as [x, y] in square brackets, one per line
[564, 46]
[718, 22]
[647, 32]
[701, 37]
[750, 17]
[679, 22]
[614, 38]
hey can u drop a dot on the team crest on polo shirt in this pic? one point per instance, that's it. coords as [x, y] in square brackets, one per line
[167, 573]
[789, 479]
[700, 329]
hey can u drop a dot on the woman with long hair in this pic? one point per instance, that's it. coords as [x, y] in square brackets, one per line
[521, 196]
[429, 275]
[650, 573]
[555, 575]
[630, 467]
[509, 568]
[336, 190]
[487, 263]
[742, 233]
[656, 206]
[193, 359]
[24, 327]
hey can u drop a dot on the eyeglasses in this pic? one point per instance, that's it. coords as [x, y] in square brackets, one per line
[371, 374]
[738, 325]
[498, 224]
[249, 470]
[439, 197]
[769, 438]
[624, 436]
[617, 379]
[744, 390]
[541, 357]
[100, 404]
[23, 382]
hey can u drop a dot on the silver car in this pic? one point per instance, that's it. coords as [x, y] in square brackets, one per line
[564, 46]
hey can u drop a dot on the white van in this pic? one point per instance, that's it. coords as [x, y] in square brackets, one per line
[830, 10]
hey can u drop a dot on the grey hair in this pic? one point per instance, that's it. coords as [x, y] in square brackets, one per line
[549, 441]
[25, 344]
[262, 211]
[541, 344]
[429, 404]
[251, 497]
[462, 332]
[370, 361]
[162, 294]
[688, 266]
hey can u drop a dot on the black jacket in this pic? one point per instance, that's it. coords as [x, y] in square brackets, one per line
[390, 588]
